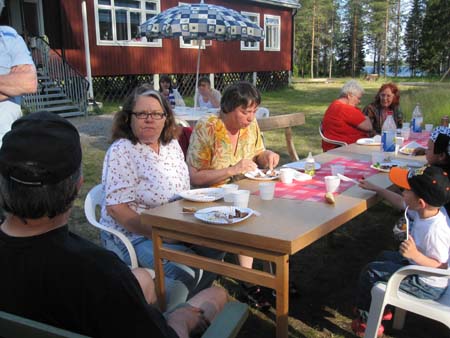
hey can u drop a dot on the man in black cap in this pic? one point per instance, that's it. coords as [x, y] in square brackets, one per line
[427, 243]
[53, 276]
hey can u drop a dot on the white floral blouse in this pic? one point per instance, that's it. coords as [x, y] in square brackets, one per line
[137, 175]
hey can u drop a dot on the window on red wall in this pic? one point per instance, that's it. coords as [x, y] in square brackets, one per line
[254, 17]
[272, 28]
[117, 21]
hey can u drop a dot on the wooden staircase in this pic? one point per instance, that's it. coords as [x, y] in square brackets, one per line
[61, 89]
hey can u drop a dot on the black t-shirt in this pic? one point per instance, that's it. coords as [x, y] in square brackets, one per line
[63, 280]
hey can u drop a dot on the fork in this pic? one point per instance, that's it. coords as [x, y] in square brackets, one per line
[407, 222]
[348, 179]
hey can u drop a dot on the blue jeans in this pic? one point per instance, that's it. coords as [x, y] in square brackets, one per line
[190, 277]
[381, 270]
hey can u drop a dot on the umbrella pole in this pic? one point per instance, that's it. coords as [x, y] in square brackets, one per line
[196, 77]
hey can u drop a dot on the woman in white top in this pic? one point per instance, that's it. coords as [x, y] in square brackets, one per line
[144, 168]
[207, 97]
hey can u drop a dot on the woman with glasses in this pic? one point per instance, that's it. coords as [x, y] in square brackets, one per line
[387, 99]
[144, 168]
[343, 121]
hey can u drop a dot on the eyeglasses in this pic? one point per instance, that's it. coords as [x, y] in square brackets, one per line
[145, 115]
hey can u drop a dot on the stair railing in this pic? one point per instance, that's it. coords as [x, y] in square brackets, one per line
[52, 64]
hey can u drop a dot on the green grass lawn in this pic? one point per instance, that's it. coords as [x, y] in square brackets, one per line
[326, 271]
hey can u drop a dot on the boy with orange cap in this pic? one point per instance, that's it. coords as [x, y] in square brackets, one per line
[426, 190]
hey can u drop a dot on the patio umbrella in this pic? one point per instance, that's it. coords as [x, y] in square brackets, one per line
[201, 22]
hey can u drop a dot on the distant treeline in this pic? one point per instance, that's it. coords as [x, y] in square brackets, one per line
[335, 37]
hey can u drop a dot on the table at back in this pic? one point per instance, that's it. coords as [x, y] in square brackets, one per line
[284, 227]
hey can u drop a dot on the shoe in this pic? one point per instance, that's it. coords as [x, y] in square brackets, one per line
[359, 328]
[387, 315]
[255, 296]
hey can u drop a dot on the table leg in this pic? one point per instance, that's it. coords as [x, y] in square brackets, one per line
[282, 289]
[159, 271]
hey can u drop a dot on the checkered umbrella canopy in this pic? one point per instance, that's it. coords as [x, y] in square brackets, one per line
[201, 22]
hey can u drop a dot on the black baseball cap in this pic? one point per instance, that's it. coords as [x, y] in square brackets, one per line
[41, 148]
[430, 183]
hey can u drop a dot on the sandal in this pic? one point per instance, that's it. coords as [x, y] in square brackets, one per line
[293, 291]
[255, 296]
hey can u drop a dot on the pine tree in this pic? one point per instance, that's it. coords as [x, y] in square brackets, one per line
[413, 34]
[434, 51]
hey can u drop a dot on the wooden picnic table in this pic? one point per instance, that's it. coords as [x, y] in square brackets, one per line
[285, 227]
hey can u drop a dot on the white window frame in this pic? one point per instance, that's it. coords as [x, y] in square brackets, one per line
[274, 37]
[193, 44]
[112, 8]
[256, 45]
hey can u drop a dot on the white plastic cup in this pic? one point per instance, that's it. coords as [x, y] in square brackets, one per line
[377, 157]
[428, 127]
[227, 190]
[398, 143]
[332, 183]
[267, 190]
[406, 125]
[337, 169]
[240, 198]
[405, 133]
[287, 175]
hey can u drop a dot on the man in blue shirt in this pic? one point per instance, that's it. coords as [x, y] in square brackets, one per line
[17, 75]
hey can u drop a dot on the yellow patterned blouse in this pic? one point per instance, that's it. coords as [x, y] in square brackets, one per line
[210, 146]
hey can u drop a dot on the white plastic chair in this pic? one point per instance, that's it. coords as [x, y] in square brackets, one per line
[94, 200]
[384, 294]
[262, 113]
[328, 140]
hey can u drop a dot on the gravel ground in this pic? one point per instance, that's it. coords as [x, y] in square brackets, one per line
[94, 130]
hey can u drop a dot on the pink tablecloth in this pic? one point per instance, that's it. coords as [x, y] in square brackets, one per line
[314, 190]
[421, 138]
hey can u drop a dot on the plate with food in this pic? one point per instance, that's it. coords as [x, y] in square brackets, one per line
[223, 214]
[202, 195]
[409, 148]
[300, 165]
[384, 167]
[373, 141]
[263, 174]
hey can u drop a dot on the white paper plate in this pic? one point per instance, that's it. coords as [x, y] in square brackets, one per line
[368, 142]
[202, 195]
[220, 214]
[255, 175]
[407, 149]
[300, 165]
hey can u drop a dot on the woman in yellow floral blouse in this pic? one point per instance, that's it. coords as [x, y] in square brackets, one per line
[230, 144]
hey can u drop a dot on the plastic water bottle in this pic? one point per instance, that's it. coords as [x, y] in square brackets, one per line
[417, 119]
[310, 165]
[172, 100]
[388, 132]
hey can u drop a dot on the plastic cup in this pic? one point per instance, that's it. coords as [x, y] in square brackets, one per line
[405, 133]
[406, 125]
[332, 183]
[287, 175]
[240, 198]
[398, 143]
[377, 157]
[337, 169]
[428, 127]
[267, 191]
[227, 190]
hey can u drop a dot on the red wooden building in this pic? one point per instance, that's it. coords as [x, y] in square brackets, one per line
[116, 49]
